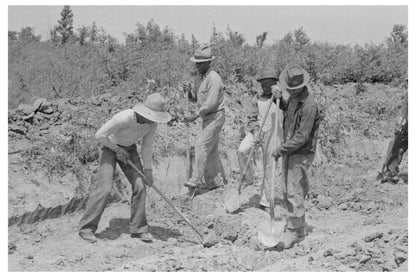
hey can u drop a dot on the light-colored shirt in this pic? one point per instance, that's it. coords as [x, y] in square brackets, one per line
[123, 129]
[210, 94]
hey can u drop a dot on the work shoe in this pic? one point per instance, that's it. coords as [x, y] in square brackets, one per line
[190, 184]
[146, 236]
[289, 237]
[88, 235]
[393, 179]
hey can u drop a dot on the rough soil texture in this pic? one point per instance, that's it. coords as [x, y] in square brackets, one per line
[355, 222]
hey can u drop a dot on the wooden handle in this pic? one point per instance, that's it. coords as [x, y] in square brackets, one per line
[167, 201]
[254, 146]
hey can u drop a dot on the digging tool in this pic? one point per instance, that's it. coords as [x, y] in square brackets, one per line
[269, 232]
[168, 201]
[188, 155]
[233, 200]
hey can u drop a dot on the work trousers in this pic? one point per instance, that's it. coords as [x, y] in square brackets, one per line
[207, 158]
[268, 145]
[295, 187]
[399, 148]
[101, 191]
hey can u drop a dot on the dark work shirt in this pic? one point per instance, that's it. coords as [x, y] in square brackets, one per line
[301, 120]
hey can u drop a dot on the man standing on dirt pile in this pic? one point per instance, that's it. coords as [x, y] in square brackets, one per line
[260, 103]
[209, 93]
[300, 133]
[399, 145]
[118, 138]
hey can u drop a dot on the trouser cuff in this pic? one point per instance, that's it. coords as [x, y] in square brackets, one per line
[294, 222]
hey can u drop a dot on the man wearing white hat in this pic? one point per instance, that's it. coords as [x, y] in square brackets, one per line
[118, 138]
[209, 93]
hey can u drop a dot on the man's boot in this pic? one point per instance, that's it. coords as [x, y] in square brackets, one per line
[289, 237]
[88, 235]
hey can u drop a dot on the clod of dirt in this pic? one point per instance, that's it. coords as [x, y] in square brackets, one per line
[228, 227]
[210, 240]
[324, 202]
[377, 235]
[12, 247]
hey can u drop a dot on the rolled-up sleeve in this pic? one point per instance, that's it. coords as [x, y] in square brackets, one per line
[301, 136]
[214, 86]
[147, 143]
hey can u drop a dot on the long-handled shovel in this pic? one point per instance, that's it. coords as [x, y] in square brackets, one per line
[269, 232]
[233, 200]
[168, 201]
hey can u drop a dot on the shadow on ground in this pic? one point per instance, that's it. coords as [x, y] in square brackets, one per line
[120, 226]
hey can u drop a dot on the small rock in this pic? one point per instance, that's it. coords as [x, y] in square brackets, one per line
[327, 253]
[364, 259]
[373, 236]
[400, 257]
[324, 202]
[29, 257]
[12, 248]
[343, 206]
[172, 241]
[210, 240]
[310, 259]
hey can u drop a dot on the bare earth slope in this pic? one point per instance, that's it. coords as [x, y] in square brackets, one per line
[355, 223]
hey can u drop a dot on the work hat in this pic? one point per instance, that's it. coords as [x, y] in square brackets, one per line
[269, 73]
[294, 77]
[202, 54]
[153, 109]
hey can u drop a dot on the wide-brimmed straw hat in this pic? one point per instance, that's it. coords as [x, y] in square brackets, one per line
[202, 54]
[153, 109]
[268, 73]
[294, 77]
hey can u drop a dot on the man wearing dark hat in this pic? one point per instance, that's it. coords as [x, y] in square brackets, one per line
[209, 93]
[118, 138]
[257, 113]
[399, 144]
[300, 133]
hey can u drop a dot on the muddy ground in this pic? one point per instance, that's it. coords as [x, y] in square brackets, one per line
[355, 222]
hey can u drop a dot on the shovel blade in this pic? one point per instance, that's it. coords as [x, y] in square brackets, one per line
[233, 201]
[269, 233]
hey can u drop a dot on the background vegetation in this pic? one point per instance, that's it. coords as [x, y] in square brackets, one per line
[89, 62]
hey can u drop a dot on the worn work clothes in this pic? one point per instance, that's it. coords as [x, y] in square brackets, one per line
[300, 125]
[101, 190]
[207, 159]
[210, 93]
[401, 142]
[123, 129]
[242, 154]
[268, 145]
[295, 187]
[399, 148]
[300, 129]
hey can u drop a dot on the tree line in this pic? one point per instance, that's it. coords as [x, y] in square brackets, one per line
[89, 61]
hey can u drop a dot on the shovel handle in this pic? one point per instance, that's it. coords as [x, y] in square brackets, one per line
[254, 146]
[167, 200]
